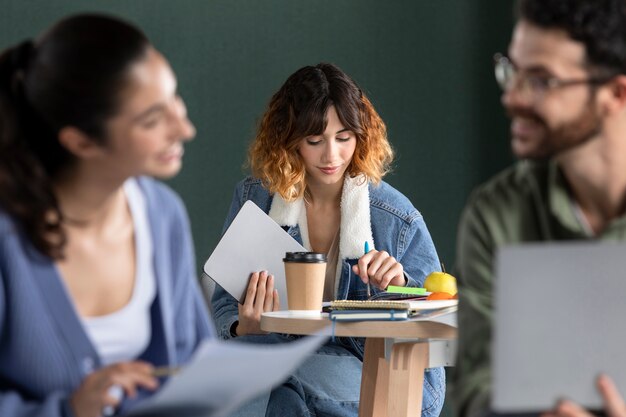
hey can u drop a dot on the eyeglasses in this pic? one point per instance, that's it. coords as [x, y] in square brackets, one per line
[533, 86]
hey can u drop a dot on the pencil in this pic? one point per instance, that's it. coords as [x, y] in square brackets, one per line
[163, 371]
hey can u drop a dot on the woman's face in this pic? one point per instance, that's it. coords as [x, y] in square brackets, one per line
[146, 136]
[327, 156]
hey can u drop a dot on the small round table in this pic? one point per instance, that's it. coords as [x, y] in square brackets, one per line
[391, 385]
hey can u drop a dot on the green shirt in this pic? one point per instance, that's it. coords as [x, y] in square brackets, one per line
[525, 203]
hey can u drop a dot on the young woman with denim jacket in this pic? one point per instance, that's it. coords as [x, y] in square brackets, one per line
[317, 160]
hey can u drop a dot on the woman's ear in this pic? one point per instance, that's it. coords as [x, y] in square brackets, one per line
[78, 143]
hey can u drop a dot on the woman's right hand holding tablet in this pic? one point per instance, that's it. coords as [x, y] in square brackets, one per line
[93, 395]
[261, 296]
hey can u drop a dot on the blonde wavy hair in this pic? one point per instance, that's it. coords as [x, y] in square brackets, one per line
[298, 110]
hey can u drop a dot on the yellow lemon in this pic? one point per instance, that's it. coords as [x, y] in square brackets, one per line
[440, 282]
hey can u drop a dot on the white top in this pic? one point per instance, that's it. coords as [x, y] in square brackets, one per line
[125, 334]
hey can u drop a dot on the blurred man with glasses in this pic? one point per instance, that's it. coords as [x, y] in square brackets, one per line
[564, 88]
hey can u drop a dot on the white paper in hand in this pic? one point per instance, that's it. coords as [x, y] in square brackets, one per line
[222, 376]
[253, 242]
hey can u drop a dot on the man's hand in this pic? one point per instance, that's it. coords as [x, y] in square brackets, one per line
[614, 405]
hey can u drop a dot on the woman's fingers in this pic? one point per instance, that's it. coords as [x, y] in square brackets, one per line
[130, 375]
[380, 269]
[260, 292]
[260, 297]
[268, 304]
[361, 268]
[276, 304]
[393, 275]
[374, 267]
[106, 387]
[381, 277]
[251, 291]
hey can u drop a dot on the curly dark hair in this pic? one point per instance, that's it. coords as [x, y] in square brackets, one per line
[600, 25]
[299, 109]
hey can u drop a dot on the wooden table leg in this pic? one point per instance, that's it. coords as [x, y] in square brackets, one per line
[406, 378]
[374, 380]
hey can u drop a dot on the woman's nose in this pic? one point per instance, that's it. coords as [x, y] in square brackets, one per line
[330, 151]
[183, 129]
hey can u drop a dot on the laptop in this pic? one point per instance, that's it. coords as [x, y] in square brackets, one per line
[253, 242]
[560, 320]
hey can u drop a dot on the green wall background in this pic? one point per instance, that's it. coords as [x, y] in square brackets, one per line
[426, 65]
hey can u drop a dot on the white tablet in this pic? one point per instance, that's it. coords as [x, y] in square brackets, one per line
[253, 242]
[559, 322]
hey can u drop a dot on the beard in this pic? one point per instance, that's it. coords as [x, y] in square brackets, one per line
[549, 141]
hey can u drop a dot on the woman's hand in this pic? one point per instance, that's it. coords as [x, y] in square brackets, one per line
[614, 405]
[380, 268]
[93, 394]
[260, 297]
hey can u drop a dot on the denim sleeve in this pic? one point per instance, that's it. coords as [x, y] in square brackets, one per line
[417, 252]
[225, 309]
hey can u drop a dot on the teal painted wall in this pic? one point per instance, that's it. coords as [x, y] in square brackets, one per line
[426, 65]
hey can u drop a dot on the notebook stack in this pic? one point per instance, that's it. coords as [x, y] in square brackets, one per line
[358, 310]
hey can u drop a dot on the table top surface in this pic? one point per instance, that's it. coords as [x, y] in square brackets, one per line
[293, 323]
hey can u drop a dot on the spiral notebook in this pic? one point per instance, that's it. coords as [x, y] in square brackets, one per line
[368, 314]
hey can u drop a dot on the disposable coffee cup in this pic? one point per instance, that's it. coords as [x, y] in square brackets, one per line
[305, 273]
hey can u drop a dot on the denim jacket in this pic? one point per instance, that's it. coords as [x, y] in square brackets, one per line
[389, 222]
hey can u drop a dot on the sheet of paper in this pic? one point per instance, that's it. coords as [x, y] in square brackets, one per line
[222, 376]
[446, 315]
[253, 242]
